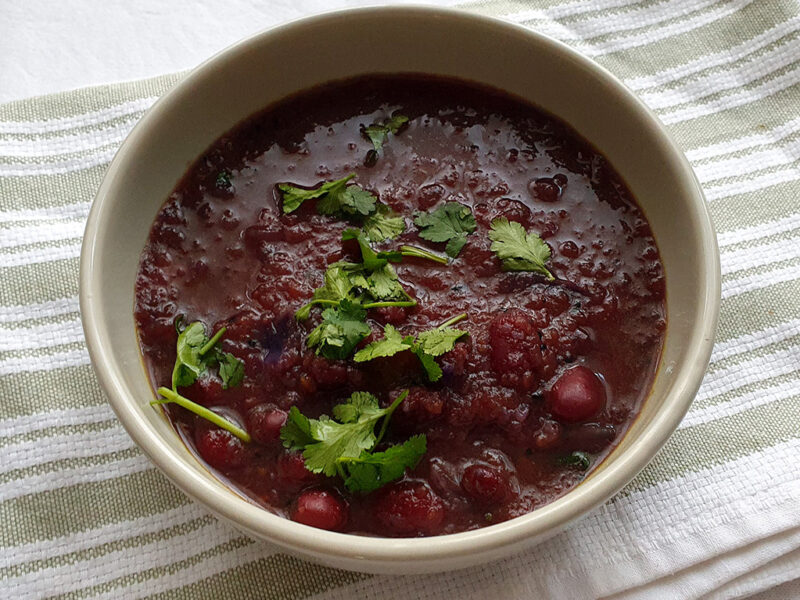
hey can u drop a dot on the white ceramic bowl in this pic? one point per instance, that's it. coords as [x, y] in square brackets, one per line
[269, 66]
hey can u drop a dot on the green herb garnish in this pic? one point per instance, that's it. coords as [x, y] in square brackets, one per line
[378, 132]
[341, 330]
[352, 288]
[372, 470]
[383, 224]
[580, 460]
[223, 181]
[392, 343]
[426, 346]
[413, 251]
[342, 445]
[369, 258]
[345, 280]
[337, 196]
[450, 223]
[352, 202]
[372, 283]
[195, 355]
[519, 250]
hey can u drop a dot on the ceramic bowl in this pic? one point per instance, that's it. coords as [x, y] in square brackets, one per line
[271, 65]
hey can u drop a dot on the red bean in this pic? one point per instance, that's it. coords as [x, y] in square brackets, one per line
[264, 423]
[544, 189]
[410, 508]
[578, 395]
[291, 470]
[320, 508]
[486, 484]
[219, 448]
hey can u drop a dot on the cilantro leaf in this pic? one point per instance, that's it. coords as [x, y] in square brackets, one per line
[231, 370]
[360, 405]
[383, 224]
[294, 196]
[580, 460]
[450, 223]
[336, 440]
[296, 432]
[338, 286]
[378, 132]
[384, 286]
[427, 345]
[223, 181]
[370, 471]
[369, 257]
[189, 364]
[325, 441]
[432, 368]
[376, 276]
[519, 250]
[195, 354]
[342, 328]
[347, 201]
[391, 344]
[455, 244]
[439, 341]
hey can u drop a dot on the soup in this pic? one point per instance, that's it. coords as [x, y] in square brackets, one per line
[401, 305]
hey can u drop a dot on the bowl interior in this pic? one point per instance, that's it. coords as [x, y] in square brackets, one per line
[266, 68]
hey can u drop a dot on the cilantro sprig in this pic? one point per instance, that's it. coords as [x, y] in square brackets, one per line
[343, 445]
[427, 345]
[336, 193]
[452, 223]
[519, 250]
[350, 201]
[378, 132]
[372, 283]
[372, 470]
[340, 331]
[383, 224]
[195, 355]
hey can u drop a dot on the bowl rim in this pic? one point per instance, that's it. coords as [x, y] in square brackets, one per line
[361, 549]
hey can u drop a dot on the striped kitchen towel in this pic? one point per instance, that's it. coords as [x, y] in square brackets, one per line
[717, 513]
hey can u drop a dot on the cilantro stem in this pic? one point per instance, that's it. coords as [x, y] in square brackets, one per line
[201, 411]
[420, 253]
[452, 321]
[210, 343]
[175, 371]
[321, 301]
[393, 303]
[389, 412]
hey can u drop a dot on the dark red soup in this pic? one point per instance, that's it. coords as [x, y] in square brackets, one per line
[484, 356]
